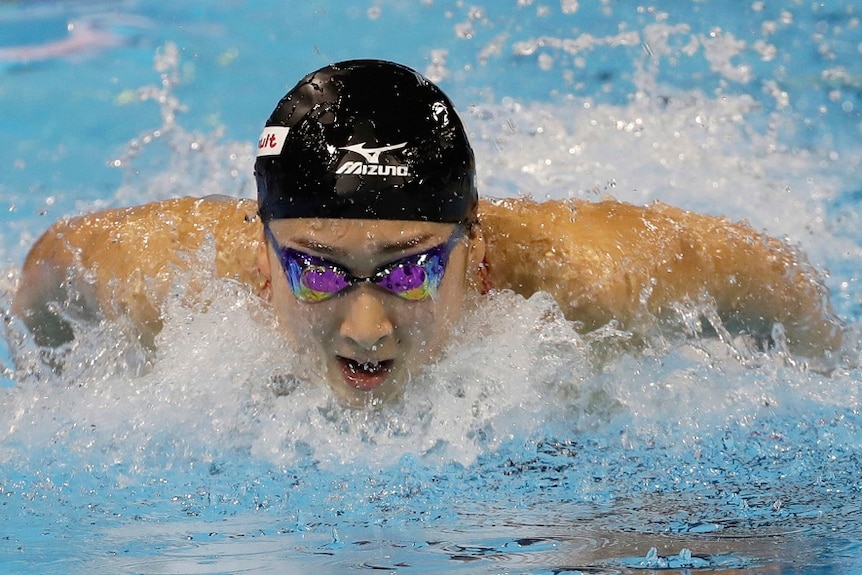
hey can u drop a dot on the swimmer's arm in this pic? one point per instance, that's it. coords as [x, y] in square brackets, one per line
[611, 260]
[757, 281]
[121, 263]
[45, 299]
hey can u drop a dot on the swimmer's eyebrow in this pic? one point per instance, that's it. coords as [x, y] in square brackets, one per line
[384, 248]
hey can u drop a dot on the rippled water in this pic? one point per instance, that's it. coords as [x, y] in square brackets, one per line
[528, 448]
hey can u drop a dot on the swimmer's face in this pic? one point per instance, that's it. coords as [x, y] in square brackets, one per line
[366, 339]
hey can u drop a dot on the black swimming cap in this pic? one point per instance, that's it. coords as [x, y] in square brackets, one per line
[366, 139]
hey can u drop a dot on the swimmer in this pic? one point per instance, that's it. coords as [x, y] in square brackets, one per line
[368, 235]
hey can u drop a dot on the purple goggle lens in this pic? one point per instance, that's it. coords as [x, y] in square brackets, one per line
[415, 277]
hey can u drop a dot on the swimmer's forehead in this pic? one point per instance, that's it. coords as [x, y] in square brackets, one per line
[343, 236]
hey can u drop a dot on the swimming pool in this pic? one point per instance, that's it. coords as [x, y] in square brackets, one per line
[534, 451]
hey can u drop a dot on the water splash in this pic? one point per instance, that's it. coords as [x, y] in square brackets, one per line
[169, 161]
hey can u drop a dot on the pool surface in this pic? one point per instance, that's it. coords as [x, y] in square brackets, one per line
[528, 448]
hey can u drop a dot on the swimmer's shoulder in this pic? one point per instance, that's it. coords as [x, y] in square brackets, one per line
[150, 233]
[125, 258]
[608, 260]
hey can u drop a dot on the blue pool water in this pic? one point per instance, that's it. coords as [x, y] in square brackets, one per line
[528, 448]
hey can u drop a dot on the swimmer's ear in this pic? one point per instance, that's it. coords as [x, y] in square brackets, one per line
[477, 246]
[477, 273]
[264, 268]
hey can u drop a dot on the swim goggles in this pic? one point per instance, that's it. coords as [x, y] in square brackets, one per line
[415, 277]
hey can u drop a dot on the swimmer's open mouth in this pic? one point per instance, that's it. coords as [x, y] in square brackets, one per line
[365, 376]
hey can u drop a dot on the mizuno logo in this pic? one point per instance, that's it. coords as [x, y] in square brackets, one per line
[372, 155]
[372, 166]
[360, 168]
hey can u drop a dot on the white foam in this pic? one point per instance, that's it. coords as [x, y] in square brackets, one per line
[223, 381]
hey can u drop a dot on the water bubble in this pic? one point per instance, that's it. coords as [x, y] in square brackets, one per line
[569, 6]
[464, 30]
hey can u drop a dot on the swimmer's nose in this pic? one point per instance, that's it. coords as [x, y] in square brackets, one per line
[366, 323]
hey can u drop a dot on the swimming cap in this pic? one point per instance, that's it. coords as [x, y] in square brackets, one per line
[366, 139]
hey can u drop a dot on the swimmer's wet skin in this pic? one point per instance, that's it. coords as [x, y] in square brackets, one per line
[368, 234]
[592, 257]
